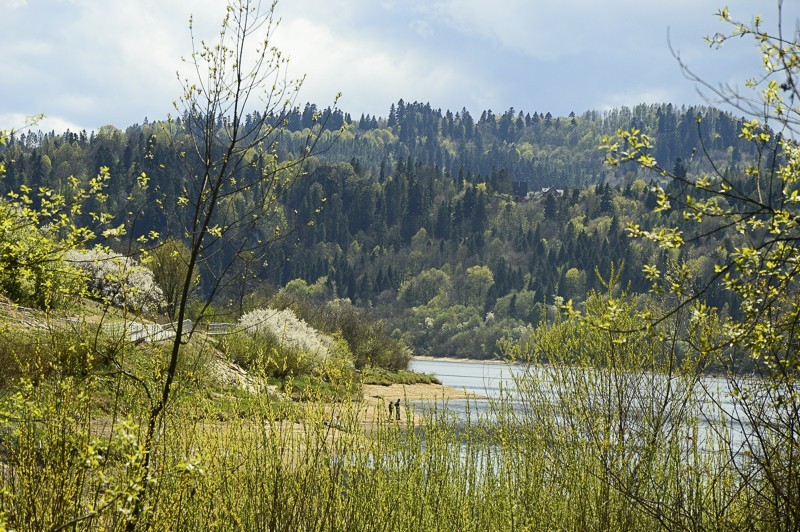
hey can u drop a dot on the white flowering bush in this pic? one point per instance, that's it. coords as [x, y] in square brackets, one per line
[290, 331]
[281, 344]
[118, 280]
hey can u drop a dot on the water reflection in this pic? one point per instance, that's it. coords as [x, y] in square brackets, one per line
[480, 378]
[490, 381]
[486, 380]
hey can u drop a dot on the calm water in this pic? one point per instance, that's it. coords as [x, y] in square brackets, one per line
[488, 380]
[476, 377]
[480, 378]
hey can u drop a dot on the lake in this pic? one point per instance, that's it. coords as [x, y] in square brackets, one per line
[483, 379]
[480, 378]
[488, 379]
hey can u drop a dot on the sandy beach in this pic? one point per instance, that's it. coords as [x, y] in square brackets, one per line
[464, 360]
[376, 398]
[374, 393]
[378, 394]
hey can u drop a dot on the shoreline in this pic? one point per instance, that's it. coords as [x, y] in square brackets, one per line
[376, 393]
[493, 361]
[377, 397]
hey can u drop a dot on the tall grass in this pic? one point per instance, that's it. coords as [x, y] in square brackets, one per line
[325, 469]
[609, 448]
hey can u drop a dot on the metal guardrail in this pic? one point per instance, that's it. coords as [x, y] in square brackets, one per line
[146, 332]
[139, 332]
[221, 328]
[134, 330]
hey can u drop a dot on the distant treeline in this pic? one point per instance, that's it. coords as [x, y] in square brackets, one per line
[457, 231]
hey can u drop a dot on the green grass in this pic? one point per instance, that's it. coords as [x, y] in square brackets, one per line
[268, 467]
[226, 458]
[386, 377]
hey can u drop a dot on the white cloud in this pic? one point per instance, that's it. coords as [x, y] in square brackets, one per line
[555, 30]
[114, 61]
[370, 74]
[633, 97]
[29, 47]
[21, 122]
[13, 4]
[422, 28]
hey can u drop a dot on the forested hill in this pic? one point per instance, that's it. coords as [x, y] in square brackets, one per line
[437, 221]
[532, 147]
[536, 148]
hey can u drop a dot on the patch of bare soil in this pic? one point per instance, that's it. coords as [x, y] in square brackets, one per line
[375, 407]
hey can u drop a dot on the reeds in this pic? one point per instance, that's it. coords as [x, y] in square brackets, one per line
[613, 446]
[279, 466]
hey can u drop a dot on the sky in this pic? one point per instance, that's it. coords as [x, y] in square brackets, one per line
[88, 63]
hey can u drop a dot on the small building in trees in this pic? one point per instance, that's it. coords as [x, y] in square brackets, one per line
[551, 191]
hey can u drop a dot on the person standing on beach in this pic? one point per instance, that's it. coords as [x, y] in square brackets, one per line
[397, 409]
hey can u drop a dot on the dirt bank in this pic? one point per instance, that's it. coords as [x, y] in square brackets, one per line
[466, 360]
[375, 406]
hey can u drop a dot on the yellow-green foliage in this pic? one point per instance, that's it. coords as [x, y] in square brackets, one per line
[57, 347]
[615, 409]
[32, 267]
[34, 241]
[606, 436]
[755, 210]
[611, 428]
[273, 467]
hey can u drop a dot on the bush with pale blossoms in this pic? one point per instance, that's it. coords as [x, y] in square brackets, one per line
[290, 331]
[119, 280]
[280, 343]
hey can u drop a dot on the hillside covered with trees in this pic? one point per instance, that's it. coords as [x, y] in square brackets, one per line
[640, 269]
[456, 232]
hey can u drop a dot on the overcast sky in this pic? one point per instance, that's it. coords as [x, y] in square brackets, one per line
[87, 63]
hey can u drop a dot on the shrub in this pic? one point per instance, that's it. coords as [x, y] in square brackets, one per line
[118, 280]
[32, 267]
[369, 342]
[291, 332]
[39, 353]
[280, 344]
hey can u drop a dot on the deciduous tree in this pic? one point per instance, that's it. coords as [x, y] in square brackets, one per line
[225, 209]
[758, 211]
